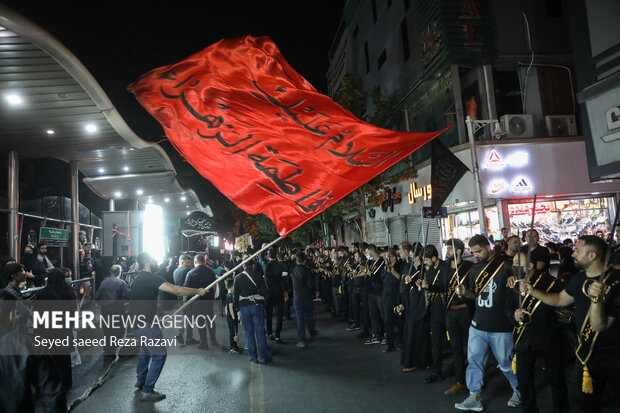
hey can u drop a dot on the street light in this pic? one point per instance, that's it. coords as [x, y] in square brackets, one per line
[473, 125]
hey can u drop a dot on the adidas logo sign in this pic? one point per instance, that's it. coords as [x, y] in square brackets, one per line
[521, 186]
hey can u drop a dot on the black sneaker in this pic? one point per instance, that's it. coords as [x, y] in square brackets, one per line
[278, 340]
[138, 385]
[314, 333]
[152, 396]
[180, 339]
[203, 346]
[191, 341]
[433, 378]
[270, 337]
[373, 340]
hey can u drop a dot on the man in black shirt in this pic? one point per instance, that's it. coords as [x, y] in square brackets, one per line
[540, 253]
[598, 355]
[249, 291]
[202, 275]
[179, 275]
[436, 282]
[359, 298]
[536, 332]
[303, 289]
[491, 329]
[144, 291]
[272, 270]
[458, 311]
[374, 283]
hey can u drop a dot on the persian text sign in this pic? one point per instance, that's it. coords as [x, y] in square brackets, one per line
[263, 135]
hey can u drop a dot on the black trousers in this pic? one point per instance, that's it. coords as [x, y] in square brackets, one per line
[346, 301]
[375, 310]
[389, 322]
[360, 309]
[554, 364]
[202, 332]
[286, 312]
[337, 300]
[233, 328]
[604, 368]
[438, 332]
[458, 322]
[276, 302]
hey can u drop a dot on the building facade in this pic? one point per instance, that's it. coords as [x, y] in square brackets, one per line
[444, 60]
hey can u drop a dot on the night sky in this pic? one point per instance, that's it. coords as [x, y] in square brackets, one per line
[119, 41]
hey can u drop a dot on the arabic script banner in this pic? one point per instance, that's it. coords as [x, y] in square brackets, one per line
[255, 128]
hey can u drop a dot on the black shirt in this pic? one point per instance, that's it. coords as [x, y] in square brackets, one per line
[244, 287]
[490, 304]
[464, 266]
[179, 275]
[438, 279]
[201, 277]
[144, 292]
[273, 276]
[230, 299]
[303, 283]
[541, 253]
[543, 325]
[610, 338]
[374, 281]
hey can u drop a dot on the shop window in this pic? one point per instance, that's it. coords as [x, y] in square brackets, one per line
[558, 220]
[557, 96]
[507, 92]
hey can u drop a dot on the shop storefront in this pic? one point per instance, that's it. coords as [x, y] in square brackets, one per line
[561, 218]
[568, 205]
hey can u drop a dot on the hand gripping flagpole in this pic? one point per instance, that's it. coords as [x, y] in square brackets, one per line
[223, 276]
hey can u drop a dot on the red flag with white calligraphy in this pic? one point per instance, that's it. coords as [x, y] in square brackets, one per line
[255, 128]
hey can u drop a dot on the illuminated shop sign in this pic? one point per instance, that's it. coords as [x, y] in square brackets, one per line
[496, 161]
[526, 209]
[519, 185]
[502, 169]
[423, 192]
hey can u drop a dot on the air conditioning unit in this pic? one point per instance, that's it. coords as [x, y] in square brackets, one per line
[561, 125]
[517, 126]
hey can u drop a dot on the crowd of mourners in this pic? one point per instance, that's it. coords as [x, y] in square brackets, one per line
[512, 298]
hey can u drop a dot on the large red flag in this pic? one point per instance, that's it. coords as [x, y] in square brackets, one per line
[255, 128]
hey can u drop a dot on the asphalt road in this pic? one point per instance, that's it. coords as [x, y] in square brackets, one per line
[337, 373]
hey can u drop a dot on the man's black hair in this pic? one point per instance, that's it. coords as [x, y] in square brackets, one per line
[478, 240]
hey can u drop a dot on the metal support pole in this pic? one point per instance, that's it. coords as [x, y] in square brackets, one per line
[474, 162]
[75, 217]
[489, 91]
[112, 205]
[13, 193]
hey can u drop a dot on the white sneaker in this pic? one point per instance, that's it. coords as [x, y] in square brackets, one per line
[470, 404]
[515, 400]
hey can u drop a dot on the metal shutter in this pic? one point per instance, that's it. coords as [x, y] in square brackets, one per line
[377, 233]
[414, 232]
[398, 231]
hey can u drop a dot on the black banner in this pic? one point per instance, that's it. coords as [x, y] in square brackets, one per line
[446, 171]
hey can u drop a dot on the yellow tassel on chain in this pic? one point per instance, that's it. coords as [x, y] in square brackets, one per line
[514, 364]
[586, 385]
